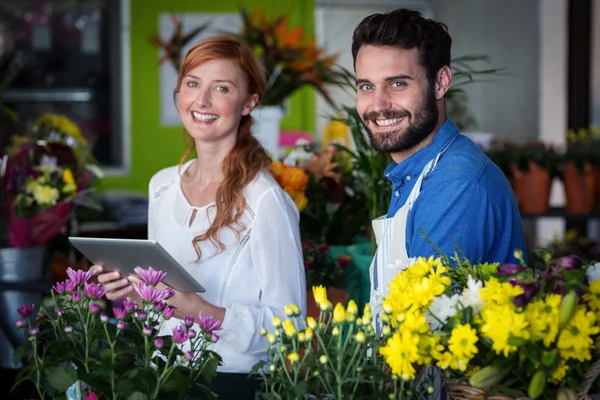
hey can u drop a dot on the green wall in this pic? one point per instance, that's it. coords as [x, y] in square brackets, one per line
[153, 146]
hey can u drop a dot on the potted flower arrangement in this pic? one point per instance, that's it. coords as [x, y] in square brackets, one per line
[291, 62]
[535, 166]
[42, 176]
[580, 165]
[79, 349]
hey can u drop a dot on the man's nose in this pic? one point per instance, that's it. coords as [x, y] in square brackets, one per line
[381, 100]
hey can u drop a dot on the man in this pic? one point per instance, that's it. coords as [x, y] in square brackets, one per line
[443, 184]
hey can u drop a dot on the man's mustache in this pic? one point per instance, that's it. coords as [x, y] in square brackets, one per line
[387, 114]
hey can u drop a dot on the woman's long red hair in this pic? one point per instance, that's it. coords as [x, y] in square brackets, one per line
[248, 157]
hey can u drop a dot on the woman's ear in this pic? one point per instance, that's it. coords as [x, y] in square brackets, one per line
[250, 104]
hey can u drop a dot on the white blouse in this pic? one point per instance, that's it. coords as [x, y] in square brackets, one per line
[253, 278]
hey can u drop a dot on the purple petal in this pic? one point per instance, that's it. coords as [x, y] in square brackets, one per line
[150, 275]
[509, 269]
[180, 334]
[25, 310]
[208, 323]
[94, 290]
[79, 276]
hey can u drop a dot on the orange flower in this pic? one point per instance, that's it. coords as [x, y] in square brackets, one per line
[277, 167]
[298, 197]
[294, 178]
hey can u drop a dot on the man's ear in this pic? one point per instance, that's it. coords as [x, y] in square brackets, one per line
[250, 104]
[443, 80]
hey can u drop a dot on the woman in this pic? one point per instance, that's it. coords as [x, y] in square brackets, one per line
[222, 215]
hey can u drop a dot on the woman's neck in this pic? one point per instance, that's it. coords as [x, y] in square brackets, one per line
[207, 169]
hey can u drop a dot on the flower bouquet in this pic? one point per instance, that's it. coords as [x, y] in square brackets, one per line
[45, 172]
[290, 60]
[114, 354]
[293, 180]
[519, 333]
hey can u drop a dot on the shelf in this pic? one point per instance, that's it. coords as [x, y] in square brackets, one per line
[559, 212]
[46, 95]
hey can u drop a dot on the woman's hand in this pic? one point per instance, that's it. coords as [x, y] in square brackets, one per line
[117, 287]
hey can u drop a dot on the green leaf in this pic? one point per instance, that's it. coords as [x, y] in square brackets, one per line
[138, 396]
[549, 357]
[59, 378]
[516, 341]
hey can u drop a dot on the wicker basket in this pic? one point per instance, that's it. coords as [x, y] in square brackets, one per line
[461, 390]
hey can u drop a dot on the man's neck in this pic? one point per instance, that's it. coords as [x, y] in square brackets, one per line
[403, 155]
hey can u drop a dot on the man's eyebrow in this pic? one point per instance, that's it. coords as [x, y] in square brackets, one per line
[388, 79]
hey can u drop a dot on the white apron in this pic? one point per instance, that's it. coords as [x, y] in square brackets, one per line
[391, 257]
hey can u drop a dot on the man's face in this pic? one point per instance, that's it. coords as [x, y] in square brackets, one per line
[394, 99]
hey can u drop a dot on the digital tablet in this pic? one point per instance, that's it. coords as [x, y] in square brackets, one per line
[124, 255]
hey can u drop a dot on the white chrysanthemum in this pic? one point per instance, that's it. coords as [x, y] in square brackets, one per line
[399, 265]
[296, 156]
[442, 308]
[593, 272]
[471, 296]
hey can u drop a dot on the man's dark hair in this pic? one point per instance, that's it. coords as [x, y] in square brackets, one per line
[406, 29]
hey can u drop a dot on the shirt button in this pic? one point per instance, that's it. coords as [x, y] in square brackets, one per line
[408, 177]
[397, 193]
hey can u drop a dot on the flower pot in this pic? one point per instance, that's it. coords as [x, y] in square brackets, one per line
[17, 266]
[266, 128]
[334, 295]
[532, 189]
[579, 188]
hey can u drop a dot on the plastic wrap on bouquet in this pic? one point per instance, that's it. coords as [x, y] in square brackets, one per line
[38, 230]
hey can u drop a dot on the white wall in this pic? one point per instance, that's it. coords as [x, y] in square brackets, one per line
[507, 31]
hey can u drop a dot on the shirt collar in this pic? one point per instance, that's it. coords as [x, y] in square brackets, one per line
[414, 164]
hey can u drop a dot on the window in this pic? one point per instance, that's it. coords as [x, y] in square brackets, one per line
[71, 58]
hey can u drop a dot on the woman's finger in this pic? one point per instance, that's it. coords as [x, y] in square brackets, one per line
[108, 277]
[119, 294]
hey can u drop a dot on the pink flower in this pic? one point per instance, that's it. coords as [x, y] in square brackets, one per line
[129, 305]
[94, 290]
[34, 330]
[121, 325]
[21, 323]
[188, 321]
[214, 337]
[169, 312]
[150, 293]
[150, 275]
[160, 305]
[25, 310]
[147, 331]
[41, 315]
[141, 315]
[180, 334]
[208, 323]
[75, 296]
[119, 313]
[94, 308]
[60, 312]
[192, 333]
[92, 396]
[159, 342]
[70, 286]
[103, 318]
[189, 355]
[79, 276]
[59, 287]
[68, 329]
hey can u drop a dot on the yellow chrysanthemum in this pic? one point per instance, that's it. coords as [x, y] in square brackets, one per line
[294, 178]
[559, 373]
[298, 197]
[575, 340]
[499, 323]
[289, 328]
[462, 342]
[501, 293]
[339, 313]
[593, 297]
[293, 357]
[400, 352]
[412, 321]
[542, 316]
[430, 349]
[45, 195]
[448, 360]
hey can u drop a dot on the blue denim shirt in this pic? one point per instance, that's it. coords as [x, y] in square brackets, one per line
[466, 201]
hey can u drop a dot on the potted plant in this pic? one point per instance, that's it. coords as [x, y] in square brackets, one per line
[535, 166]
[78, 348]
[291, 62]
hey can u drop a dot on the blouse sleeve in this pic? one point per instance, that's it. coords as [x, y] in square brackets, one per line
[151, 194]
[276, 254]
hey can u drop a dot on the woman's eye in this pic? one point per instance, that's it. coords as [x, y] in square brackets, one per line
[192, 84]
[223, 89]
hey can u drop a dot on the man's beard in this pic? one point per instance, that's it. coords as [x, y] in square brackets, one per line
[421, 125]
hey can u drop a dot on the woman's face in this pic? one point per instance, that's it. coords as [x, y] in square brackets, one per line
[213, 97]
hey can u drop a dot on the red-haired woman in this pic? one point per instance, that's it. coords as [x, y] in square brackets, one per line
[222, 215]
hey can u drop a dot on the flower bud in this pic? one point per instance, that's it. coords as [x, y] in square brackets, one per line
[567, 309]
[323, 359]
[537, 384]
[263, 332]
[487, 377]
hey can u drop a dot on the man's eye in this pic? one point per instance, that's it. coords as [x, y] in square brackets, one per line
[398, 84]
[366, 86]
